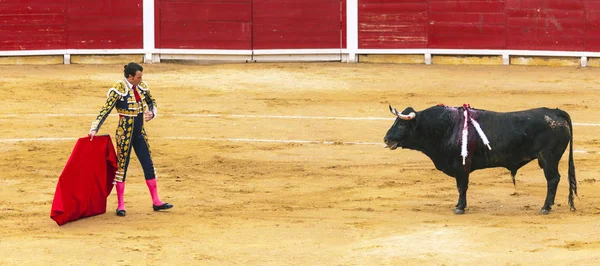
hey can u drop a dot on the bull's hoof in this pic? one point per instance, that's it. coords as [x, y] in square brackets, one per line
[459, 211]
[544, 211]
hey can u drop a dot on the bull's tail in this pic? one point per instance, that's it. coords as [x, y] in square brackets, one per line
[572, 180]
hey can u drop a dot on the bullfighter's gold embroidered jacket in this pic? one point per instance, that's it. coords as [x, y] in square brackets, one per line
[122, 97]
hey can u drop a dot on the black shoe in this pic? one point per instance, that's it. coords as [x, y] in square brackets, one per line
[165, 206]
[121, 212]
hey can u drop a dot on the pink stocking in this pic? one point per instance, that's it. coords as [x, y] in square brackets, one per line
[120, 192]
[153, 191]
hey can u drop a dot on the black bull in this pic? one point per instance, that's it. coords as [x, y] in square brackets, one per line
[516, 138]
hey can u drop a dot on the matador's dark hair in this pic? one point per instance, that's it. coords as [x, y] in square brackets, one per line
[131, 69]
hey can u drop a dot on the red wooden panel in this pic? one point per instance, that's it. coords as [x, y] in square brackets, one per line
[399, 29]
[95, 23]
[296, 40]
[298, 10]
[393, 1]
[28, 30]
[279, 24]
[33, 19]
[286, 37]
[205, 44]
[591, 5]
[474, 24]
[106, 24]
[391, 8]
[467, 41]
[592, 44]
[467, 6]
[549, 4]
[206, 1]
[546, 25]
[576, 32]
[106, 8]
[392, 24]
[550, 43]
[209, 24]
[205, 30]
[592, 26]
[157, 23]
[541, 39]
[555, 26]
[480, 18]
[592, 20]
[291, 25]
[32, 25]
[32, 8]
[400, 38]
[344, 24]
[96, 40]
[466, 29]
[301, 2]
[211, 11]
[374, 18]
[397, 43]
[28, 2]
[313, 43]
[544, 13]
[48, 42]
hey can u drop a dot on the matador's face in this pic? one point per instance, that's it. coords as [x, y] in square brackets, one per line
[135, 80]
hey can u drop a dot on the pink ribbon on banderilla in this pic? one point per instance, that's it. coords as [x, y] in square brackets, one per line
[465, 133]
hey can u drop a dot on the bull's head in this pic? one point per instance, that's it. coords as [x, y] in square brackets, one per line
[402, 128]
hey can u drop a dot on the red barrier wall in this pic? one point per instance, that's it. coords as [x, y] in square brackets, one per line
[36, 25]
[210, 24]
[106, 24]
[592, 23]
[559, 25]
[70, 24]
[466, 24]
[392, 24]
[297, 24]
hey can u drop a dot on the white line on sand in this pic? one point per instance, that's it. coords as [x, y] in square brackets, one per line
[323, 142]
[254, 116]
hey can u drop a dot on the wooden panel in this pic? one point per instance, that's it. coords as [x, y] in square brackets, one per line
[206, 24]
[592, 25]
[546, 4]
[194, 30]
[467, 42]
[344, 24]
[472, 6]
[32, 25]
[157, 23]
[474, 24]
[295, 24]
[375, 40]
[392, 24]
[211, 11]
[546, 25]
[106, 24]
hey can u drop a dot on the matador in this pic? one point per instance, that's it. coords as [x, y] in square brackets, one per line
[135, 105]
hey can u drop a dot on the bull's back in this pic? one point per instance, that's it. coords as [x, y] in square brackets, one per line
[517, 137]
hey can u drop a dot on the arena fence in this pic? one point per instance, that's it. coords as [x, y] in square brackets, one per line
[416, 31]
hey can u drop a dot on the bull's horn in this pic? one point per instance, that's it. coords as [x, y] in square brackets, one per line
[407, 117]
[393, 110]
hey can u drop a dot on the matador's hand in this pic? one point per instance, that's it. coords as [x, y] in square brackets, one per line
[148, 115]
[92, 134]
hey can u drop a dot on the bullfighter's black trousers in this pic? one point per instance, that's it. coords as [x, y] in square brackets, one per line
[141, 147]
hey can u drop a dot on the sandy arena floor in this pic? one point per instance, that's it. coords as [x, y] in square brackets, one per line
[240, 201]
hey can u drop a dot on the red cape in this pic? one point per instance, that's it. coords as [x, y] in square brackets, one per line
[86, 180]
